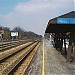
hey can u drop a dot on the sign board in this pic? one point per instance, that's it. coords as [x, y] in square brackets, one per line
[65, 20]
[14, 33]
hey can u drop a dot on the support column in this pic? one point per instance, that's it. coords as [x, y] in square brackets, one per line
[56, 41]
[61, 46]
[71, 46]
[69, 53]
[74, 53]
[65, 44]
[69, 49]
[74, 46]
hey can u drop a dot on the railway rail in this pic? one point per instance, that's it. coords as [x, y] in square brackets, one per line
[10, 45]
[7, 45]
[13, 41]
[11, 61]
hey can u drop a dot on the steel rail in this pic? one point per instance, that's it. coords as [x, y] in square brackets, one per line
[12, 70]
[9, 55]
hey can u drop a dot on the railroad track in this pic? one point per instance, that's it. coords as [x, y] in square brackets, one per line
[8, 45]
[13, 63]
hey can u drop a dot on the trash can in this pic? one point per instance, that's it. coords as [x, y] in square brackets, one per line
[51, 42]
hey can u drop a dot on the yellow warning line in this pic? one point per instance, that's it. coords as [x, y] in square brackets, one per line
[43, 60]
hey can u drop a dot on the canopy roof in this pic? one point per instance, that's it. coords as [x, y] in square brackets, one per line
[63, 23]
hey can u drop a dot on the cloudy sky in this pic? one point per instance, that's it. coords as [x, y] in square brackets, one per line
[32, 15]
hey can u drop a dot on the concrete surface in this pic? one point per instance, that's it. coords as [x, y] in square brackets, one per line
[35, 67]
[55, 63]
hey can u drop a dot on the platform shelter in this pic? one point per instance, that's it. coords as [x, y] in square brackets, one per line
[62, 29]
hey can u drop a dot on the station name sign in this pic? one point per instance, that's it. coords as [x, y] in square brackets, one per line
[65, 20]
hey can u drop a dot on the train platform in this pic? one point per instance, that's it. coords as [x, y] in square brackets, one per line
[53, 64]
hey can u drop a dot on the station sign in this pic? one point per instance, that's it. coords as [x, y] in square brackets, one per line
[14, 33]
[65, 20]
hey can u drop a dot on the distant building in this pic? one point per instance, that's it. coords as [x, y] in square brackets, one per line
[47, 36]
[4, 34]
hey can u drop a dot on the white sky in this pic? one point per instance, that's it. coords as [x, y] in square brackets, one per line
[35, 14]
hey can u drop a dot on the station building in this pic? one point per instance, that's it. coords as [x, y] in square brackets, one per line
[63, 28]
[47, 36]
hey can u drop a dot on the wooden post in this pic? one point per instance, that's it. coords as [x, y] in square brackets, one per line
[74, 53]
[56, 41]
[74, 46]
[65, 44]
[68, 54]
[61, 43]
[69, 48]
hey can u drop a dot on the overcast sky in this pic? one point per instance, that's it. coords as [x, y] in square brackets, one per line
[32, 15]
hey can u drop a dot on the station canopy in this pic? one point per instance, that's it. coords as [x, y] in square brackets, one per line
[63, 23]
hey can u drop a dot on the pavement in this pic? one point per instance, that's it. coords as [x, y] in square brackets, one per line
[35, 67]
[54, 63]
